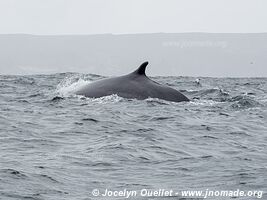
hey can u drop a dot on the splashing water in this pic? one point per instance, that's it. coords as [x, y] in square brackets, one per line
[69, 85]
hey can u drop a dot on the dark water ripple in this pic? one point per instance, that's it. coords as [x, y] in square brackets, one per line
[55, 145]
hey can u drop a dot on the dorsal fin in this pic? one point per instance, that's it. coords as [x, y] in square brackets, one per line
[142, 69]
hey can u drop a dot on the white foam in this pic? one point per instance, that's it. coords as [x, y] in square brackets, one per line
[204, 102]
[107, 99]
[157, 100]
[69, 85]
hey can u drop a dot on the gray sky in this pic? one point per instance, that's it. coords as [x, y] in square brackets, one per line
[131, 16]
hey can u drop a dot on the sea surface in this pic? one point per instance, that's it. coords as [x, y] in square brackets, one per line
[55, 145]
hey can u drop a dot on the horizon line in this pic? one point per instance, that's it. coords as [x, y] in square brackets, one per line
[121, 34]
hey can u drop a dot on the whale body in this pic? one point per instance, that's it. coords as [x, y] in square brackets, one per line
[135, 85]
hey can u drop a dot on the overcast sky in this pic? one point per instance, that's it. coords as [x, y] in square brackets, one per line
[131, 16]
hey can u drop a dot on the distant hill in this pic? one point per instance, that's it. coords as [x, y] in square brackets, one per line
[179, 54]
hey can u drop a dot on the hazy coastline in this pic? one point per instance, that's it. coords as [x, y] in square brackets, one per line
[178, 54]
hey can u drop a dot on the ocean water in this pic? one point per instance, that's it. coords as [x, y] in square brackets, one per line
[55, 145]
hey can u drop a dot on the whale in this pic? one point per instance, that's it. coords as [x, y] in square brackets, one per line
[135, 85]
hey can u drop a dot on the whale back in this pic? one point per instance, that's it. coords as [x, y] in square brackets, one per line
[134, 85]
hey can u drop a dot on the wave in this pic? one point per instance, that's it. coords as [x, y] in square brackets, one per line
[243, 101]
